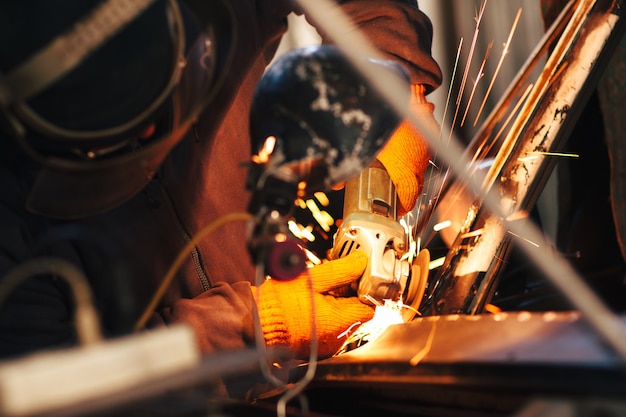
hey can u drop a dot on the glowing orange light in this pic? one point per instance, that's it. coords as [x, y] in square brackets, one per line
[300, 203]
[436, 263]
[474, 233]
[493, 309]
[322, 198]
[442, 225]
[534, 155]
[264, 153]
[324, 219]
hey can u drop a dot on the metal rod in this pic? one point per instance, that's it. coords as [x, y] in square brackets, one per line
[469, 274]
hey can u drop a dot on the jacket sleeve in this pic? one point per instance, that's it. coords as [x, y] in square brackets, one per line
[401, 32]
[221, 317]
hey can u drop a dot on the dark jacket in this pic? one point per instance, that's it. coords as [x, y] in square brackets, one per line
[126, 252]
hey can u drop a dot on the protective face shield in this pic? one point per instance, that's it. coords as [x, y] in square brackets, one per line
[80, 92]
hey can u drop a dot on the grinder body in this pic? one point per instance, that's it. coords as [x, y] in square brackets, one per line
[370, 225]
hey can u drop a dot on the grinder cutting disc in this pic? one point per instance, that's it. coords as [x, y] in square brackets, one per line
[414, 291]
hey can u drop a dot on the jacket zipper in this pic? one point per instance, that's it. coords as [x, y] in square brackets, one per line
[195, 255]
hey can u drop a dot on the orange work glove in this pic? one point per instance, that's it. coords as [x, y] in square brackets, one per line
[285, 307]
[406, 155]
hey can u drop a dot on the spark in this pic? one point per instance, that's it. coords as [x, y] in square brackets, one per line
[493, 309]
[477, 232]
[427, 201]
[472, 47]
[413, 249]
[312, 257]
[479, 77]
[324, 219]
[445, 109]
[523, 238]
[413, 244]
[505, 51]
[468, 64]
[443, 225]
[280, 237]
[322, 198]
[520, 214]
[301, 232]
[264, 153]
[385, 315]
[536, 154]
[404, 225]
[436, 263]
[348, 330]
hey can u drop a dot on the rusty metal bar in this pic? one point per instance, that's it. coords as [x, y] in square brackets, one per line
[521, 168]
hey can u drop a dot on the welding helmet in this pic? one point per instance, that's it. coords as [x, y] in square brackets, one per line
[99, 92]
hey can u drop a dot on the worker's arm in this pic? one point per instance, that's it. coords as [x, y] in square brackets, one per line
[401, 32]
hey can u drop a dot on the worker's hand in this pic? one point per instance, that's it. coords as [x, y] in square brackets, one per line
[406, 155]
[285, 306]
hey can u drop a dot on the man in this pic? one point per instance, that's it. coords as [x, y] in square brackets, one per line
[109, 163]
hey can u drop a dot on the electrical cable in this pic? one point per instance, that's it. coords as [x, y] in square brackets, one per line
[184, 252]
[86, 318]
[259, 338]
[298, 387]
[296, 390]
